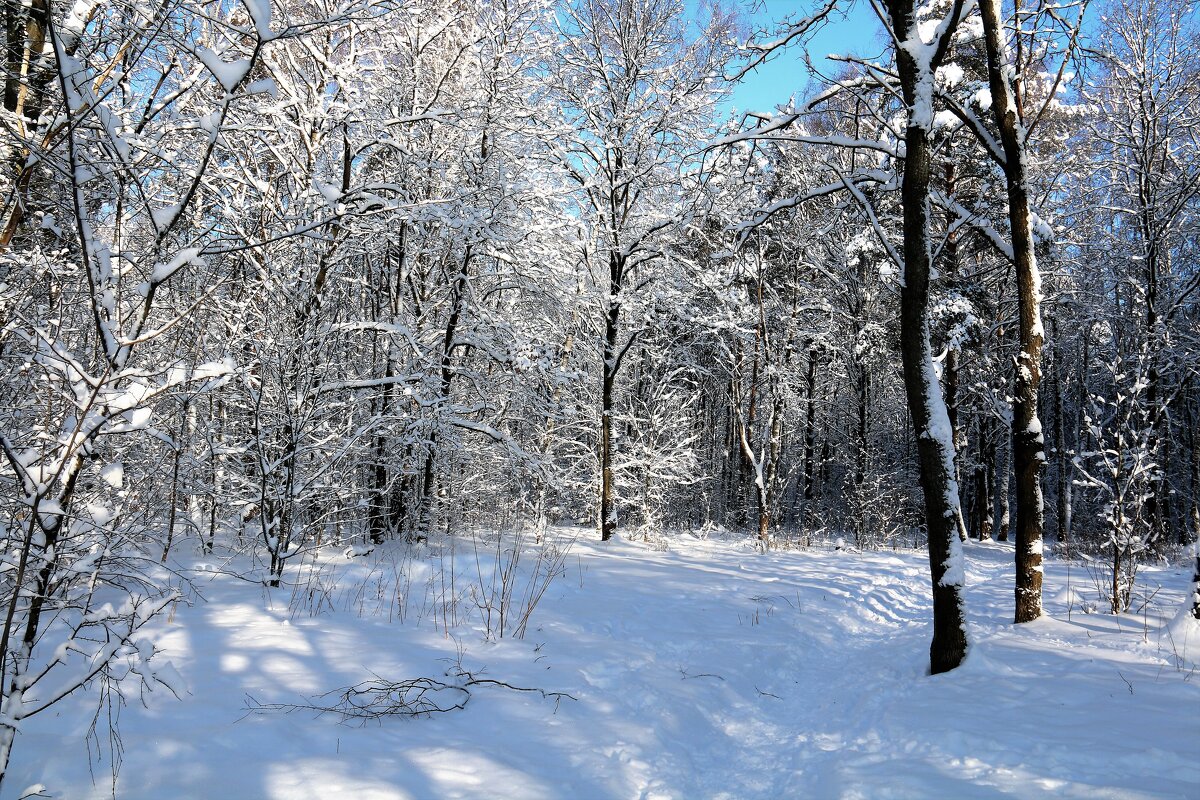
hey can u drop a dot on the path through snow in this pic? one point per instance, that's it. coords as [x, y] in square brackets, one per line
[707, 671]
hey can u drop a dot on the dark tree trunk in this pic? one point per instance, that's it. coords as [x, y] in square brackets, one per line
[1195, 511]
[1194, 464]
[1029, 455]
[1003, 472]
[935, 448]
[1196, 585]
[173, 510]
[216, 459]
[950, 370]
[1063, 517]
[984, 478]
[810, 434]
[612, 320]
[1194, 504]
[458, 297]
[1155, 506]
[380, 475]
[951, 364]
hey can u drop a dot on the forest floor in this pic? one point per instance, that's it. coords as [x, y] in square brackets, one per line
[705, 670]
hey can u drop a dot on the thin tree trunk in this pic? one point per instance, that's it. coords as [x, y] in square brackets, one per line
[378, 525]
[173, 511]
[1003, 473]
[985, 476]
[1194, 463]
[216, 456]
[1155, 504]
[612, 319]
[810, 433]
[861, 460]
[458, 295]
[1060, 444]
[950, 380]
[1195, 505]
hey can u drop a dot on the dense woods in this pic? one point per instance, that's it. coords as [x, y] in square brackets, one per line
[279, 275]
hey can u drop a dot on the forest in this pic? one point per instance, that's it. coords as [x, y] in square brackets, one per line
[301, 298]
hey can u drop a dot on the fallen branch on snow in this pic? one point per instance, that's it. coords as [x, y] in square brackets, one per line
[377, 699]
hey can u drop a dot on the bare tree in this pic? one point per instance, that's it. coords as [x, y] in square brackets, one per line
[635, 91]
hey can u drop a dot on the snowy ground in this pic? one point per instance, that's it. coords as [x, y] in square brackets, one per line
[704, 671]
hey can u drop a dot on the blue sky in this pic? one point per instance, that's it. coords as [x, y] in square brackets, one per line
[852, 31]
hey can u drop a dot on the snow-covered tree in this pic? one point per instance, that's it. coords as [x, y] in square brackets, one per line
[635, 89]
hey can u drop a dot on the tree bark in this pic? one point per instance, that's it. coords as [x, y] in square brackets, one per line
[1060, 445]
[1194, 464]
[810, 433]
[1002, 519]
[931, 424]
[1029, 455]
[950, 368]
[1194, 515]
[612, 320]
[985, 478]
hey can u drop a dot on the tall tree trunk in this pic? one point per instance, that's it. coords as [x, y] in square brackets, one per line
[931, 424]
[1194, 464]
[950, 379]
[458, 298]
[1194, 504]
[774, 454]
[216, 471]
[612, 319]
[1029, 455]
[1065, 489]
[951, 365]
[985, 477]
[862, 456]
[379, 522]
[173, 510]
[1155, 505]
[810, 433]
[1002, 518]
